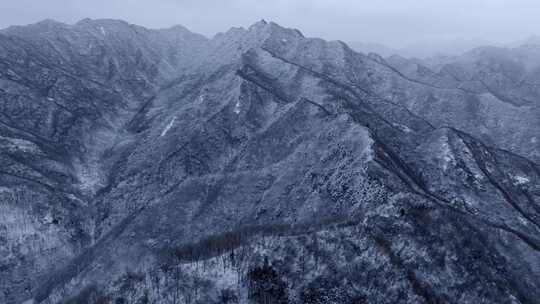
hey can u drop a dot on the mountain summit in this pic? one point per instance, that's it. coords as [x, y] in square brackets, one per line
[261, 166]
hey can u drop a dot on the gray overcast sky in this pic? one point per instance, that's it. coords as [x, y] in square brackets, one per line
[393, 22]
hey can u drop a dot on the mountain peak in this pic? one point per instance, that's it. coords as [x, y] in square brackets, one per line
[45, 25]
[261, 22]
[49, 22]
[273, 27]
[103, 21]
[106, 25]
[256, 34]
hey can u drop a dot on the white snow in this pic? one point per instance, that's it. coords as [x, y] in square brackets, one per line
[237, 107]
[201, 98]
[403, 128]
[284, 40]
[48, 218]
[102, 31]
[447, 155]
[520, 180]
[222, 274]
[168, 127]
[19, 145]
[514, 299]
[523, 221]
[89, 176]
[24, 233]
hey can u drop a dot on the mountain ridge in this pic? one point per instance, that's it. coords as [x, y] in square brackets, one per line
[152, 145]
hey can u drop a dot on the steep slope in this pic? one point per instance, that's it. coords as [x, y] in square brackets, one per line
[66, 93]
[272, 168]
[489, 92]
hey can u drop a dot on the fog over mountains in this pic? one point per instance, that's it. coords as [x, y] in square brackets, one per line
[429, 48]
[422, 49]
[262, 166]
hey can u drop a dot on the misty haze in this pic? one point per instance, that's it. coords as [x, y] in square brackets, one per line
[269, 152]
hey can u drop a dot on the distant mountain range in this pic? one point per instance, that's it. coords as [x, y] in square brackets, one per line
[261, 166]
[422, 49]
[437, 47]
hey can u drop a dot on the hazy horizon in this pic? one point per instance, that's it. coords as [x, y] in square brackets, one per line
[396, 24]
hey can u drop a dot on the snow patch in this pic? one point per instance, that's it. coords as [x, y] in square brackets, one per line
[403, 128]
[89, 176]
[24, 232]
[237, 107]
[5, 190]
[520, 180]
[222, 274]
[18, 145]
[514, 299]
[48, 219]
[447, 156]
[168, 127]
[522, 221]
[102, 31]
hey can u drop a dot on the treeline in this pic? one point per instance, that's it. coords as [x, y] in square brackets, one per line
[226, 242]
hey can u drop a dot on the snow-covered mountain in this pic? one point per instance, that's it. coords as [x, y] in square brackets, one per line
[261, 166]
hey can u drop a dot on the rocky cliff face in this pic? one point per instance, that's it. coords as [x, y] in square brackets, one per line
[260, 166]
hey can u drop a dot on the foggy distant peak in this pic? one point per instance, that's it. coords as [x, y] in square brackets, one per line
[423, 49]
